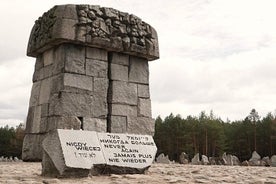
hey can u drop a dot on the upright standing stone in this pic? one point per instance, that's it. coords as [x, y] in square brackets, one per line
[183, 158]
[273, 161]
[91, 73]
[163, 159]
[205, 160]
[255, 160]
[196, 159]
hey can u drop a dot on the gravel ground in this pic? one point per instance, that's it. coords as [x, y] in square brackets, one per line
[29, 173]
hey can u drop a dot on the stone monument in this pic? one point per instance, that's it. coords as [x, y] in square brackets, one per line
[91, 73]
[75, 153]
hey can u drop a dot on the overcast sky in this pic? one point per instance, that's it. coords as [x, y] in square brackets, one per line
[215, 55]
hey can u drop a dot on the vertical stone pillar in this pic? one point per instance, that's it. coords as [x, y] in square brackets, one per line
[130, 105]
[91, 73]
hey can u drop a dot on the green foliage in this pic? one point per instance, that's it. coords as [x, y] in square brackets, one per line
[209, 135]
[11, 140]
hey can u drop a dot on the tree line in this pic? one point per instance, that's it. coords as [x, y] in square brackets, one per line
[209, 135]
[206, 134]
[11, 140]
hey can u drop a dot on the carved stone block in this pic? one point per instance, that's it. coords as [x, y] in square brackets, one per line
[99, 106]
[96, 54]
[119, 58]
[144, 107]
[143, 91]
[74, 59]
[33, 120]
[94, 124]
[136, 125]
[64, 29]
[45, 91]
[123, 110]
[34, 100]
[124, 93]
[48, 57]
[118, 72]
[63, 122]
[78, 81]
[32, 147]
[138, 70]
[68, 12]
[95, 27]
[101, 86]
[70, 104]
[53, 163]
[118, 124]
[96, 68]
[44, 110]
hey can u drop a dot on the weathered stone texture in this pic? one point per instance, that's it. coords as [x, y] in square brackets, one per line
[138, 125]
[119, 58]
[143, 91]
[63, 122]
[144, 107]
[74, 59]
[99, 106]
[45, 89]
[59, 60]
[70, 104]
[95, 124]
[163, 159]
[124, 93]
[34, 99]
[124, 110]
[96, 27]
[118, 72]
[273, 161]
[64, 29]
[118, 124]
[48, 57]
[96, 68]
[78, 81]
[32, 147]
[33, 120]
[44, 110]
[96, 54]
[53, 163]
[138, 70]
[101, 86]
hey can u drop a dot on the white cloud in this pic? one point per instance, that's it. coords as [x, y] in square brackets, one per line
[230, 86]
[215, 54]
[15, 80]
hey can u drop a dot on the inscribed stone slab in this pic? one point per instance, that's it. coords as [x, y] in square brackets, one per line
[81, 149]
[128, 150]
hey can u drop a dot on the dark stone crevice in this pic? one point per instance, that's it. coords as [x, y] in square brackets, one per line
[109, 93]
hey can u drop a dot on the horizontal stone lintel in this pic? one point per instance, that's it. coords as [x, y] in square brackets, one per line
[72, 24]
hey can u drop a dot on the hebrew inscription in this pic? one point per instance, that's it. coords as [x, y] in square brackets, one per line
[128, 150]
[84, 149]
